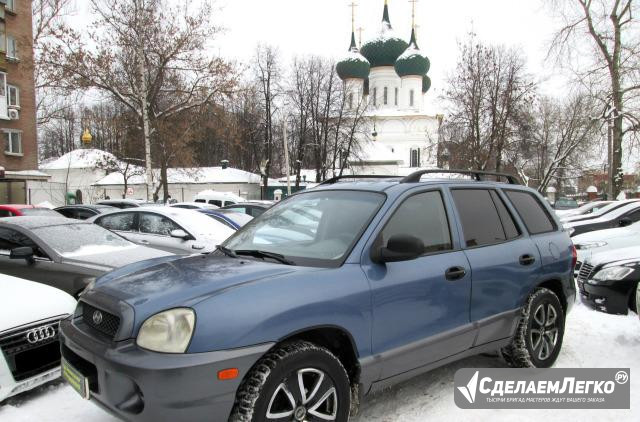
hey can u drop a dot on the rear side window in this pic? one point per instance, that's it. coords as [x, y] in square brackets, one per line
[119, 222]
[480, 220]
[424, 216]
[510, 228]
[215, 202]
[531, 211]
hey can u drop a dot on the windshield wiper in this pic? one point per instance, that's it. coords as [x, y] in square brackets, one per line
[265, 254]
[227, 251]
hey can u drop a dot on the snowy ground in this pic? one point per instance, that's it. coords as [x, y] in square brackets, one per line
[592, 339]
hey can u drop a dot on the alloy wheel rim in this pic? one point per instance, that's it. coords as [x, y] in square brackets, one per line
[307, 395]
[544, 331]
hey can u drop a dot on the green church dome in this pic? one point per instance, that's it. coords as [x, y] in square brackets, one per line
[426, 84]
[412, 62]
[387, 47]
[354, 65]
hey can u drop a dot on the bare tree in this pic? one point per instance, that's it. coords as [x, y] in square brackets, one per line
[600, 41]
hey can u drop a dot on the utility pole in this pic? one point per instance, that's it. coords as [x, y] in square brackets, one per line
[286, 154]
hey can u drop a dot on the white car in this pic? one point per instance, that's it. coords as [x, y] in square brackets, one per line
[29, 316]
[583, 210]
[598, 241]
[194, 206]
[601, 212]
[170, 229]
[219, 199]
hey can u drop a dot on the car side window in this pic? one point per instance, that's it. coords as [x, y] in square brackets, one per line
[5, 213]
[10, 239]
[509, 225]
[479, 216]
[422, 215]
[156, 224]
[123, 222]
[534, 216]
[215, 202]
[84, 214]
[241, 210]
[66, 212]
[256, 212]
[634, 216]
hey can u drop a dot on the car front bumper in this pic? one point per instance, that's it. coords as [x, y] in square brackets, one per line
[140, 385]
[612, 298]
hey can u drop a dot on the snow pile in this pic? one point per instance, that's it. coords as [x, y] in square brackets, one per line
[203, 175]
[592, 339]
[78, 159]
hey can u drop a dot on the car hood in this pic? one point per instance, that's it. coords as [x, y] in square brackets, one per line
[117, 259]
[23, 302]
[606, 235]
[164, 283]
[625, 255]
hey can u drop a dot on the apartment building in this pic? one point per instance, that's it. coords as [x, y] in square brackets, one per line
[19, 153]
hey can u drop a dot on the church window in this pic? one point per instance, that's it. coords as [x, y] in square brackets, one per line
[375, 97]
[386, 96]
[396, 97]
[411, 98]
[415, 157]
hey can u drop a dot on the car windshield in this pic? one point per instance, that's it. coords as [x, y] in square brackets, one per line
[315, 228]
[44, 212]
[76, 240]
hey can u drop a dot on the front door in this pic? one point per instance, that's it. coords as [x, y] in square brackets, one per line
[420, 307]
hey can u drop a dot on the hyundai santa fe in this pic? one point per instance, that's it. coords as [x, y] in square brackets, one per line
[332, 294]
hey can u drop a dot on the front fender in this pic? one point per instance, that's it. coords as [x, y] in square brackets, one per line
[271, 309]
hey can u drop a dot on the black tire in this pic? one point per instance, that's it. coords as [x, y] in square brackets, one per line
[262, 393]
[538, 338]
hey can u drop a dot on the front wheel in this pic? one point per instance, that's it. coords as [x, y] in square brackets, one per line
[538, 338]
[298, 381]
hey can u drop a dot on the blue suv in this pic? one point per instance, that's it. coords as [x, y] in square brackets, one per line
[330, 295]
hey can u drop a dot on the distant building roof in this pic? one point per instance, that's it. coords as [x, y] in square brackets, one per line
[195, 175]
[77, 159]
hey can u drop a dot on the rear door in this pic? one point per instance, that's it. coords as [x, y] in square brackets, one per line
[505, 263]
[155, 231]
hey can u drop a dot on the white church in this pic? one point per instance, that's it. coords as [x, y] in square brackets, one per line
[389, 75]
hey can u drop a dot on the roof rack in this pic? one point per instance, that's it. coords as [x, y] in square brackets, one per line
[355, 176]
[476, 174]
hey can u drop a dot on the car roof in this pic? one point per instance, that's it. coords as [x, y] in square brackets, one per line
[16, 206]
[90, 206]
[35, 222]
[381, 185]
[249, 203]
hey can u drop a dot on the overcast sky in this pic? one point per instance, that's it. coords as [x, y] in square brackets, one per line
[323, 27]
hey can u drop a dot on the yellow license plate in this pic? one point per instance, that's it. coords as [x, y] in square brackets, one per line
[76, 380]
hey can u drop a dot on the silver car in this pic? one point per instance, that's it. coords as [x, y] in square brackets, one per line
[170, 229]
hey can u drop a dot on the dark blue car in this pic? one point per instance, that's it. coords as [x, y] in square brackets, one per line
[332, 294]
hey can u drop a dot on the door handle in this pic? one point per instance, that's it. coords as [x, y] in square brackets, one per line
[527, 259]
[455, 273]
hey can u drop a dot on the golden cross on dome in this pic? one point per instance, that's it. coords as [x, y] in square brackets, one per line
[353, 6]
[413, 12]
[360, 30]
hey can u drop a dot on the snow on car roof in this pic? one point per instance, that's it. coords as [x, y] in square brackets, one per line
[39, 221]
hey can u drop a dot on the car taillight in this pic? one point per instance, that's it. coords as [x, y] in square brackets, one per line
[574, 256]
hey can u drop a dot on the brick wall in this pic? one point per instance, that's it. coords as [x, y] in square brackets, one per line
[20, 74]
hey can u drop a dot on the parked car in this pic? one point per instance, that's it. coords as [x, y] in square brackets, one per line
[608, 280]
[254, 209]
[381, 293]
[622, 217]
[585, 209]
[64, 253]
[605, 240]
[126, 203]
[194, 206]
[20, 210]
[29, 342]
[219, 199]
[638, 300]
[83, 211]
[602, 212]
[565, 204]
[169, 229]
[235, 220]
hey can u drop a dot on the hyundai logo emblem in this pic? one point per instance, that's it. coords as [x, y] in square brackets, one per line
[41, 334]
[97, 317]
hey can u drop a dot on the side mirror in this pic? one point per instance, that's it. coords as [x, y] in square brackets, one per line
[401, 247]
[624, 222]
[23, 252]
[179, 234]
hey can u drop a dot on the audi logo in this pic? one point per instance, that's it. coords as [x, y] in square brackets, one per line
[41, 334]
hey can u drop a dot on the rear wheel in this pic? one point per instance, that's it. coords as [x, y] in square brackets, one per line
[298, 381]
[538, 338]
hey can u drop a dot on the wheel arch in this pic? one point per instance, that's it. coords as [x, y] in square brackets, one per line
[555, 285]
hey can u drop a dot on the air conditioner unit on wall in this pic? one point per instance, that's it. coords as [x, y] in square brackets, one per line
[14, 114]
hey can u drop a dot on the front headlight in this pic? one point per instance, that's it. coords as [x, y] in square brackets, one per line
[590, 245]
[168, 332]
[610, 274]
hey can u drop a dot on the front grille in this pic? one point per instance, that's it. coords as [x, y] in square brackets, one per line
[106, 323]
[585, 272]
[33, 350]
